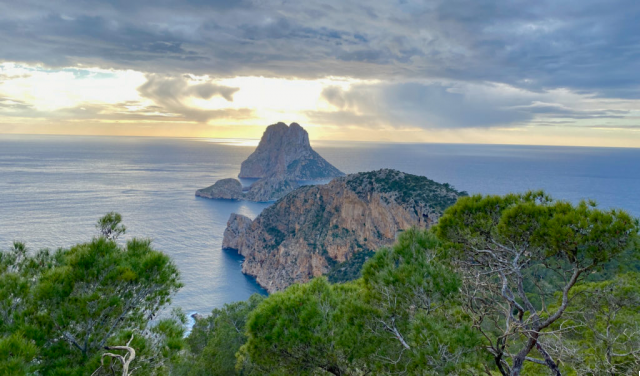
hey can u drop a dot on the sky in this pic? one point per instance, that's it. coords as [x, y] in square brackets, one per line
[560, 72]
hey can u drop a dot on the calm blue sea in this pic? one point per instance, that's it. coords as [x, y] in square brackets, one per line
[54, 188]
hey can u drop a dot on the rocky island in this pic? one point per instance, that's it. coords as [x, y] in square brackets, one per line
[333, 228]
[283, 157]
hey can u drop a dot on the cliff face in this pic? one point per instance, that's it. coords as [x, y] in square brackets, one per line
[236, 228]
[320, 229]
[270, 189]
[285, 151]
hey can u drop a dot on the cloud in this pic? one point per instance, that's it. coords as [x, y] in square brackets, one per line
[454, 104]
[583, 45]
[424, 105]
[128, 112]
[13, 105]
[560, 110]
[172, 94]
[174, 88]
[93, 95]
[136, 112]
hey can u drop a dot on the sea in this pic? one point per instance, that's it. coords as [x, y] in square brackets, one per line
[54, 188]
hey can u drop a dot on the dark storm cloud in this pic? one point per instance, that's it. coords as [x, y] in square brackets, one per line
[584, 45]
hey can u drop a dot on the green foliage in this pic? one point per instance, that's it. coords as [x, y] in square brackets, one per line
[522, 276]
[110, 226]
[159, 348]
[515, 252]
[548, 229]
[407, 188]
[17, 355]
[350, 269]
[306, 328]
[604, 327]
[215, 340]
[415, 318]
[98, 287]
[400, 317]
[72, 302]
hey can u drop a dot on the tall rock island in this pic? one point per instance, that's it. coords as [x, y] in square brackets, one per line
[283, 157]
[332, 229]
[285, 151]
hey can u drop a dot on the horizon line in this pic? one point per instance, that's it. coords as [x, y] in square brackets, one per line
[322, 140]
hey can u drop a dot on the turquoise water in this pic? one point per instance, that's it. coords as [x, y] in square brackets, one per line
[54, 188]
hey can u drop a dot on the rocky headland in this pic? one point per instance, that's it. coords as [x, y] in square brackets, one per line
[333, 228]
[283, 157]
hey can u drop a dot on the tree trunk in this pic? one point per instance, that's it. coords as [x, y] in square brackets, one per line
[334, 370]
[518, 360]
[498, 360]
[547, 359]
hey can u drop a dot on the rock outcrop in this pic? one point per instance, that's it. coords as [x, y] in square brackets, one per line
[285, 151]
[332, 228]
[270, 189]
[234, 233]
[283, 157]
[263, 190]
[229, 189]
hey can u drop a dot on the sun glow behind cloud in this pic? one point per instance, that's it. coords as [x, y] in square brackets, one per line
[50, 90]
[55, 98]
[34, 99]
[272, 99]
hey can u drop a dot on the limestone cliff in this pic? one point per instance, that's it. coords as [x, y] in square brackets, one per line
[323, 229]
[283, 157]
[233, 234]
[270, 189]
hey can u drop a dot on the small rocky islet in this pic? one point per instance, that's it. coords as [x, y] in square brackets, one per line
[324, 229]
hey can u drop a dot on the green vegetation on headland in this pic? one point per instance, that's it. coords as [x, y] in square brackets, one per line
[406, 187]
[502, 285]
